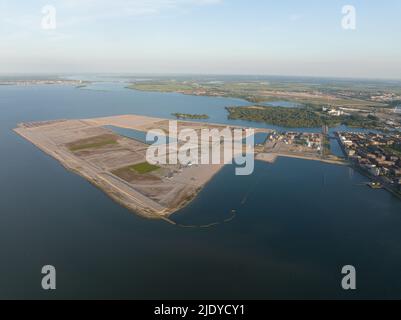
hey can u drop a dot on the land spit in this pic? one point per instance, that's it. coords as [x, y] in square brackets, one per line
[117, 164]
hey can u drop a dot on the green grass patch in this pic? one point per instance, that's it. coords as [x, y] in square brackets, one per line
[93, 142]
[143, 168]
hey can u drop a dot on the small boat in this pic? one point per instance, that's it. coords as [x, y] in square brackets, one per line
[375, 185]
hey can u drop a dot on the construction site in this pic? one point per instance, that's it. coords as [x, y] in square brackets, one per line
[117, 164]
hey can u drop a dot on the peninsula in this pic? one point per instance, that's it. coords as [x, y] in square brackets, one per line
[117, 164]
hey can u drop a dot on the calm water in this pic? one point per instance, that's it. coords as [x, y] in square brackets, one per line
[296, 224]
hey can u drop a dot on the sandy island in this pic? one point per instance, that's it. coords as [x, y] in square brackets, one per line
[110, 161]
[117, 164]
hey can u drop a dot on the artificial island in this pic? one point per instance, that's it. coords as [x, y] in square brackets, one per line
[117, 163]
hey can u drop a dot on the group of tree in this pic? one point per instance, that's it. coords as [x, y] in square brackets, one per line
[190, 116]
[299, 117]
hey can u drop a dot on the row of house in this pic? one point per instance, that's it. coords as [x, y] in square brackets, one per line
[376, 153]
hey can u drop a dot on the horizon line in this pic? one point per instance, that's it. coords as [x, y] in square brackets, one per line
[201, 74]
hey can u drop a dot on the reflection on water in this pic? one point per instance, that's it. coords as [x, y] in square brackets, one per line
[335, 148]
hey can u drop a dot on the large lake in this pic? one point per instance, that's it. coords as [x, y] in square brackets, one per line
[297, 222]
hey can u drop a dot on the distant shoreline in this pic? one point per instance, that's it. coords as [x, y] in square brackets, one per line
[28, 82]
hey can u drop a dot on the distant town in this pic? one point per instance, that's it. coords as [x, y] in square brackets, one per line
[30, 82]
[378, 155]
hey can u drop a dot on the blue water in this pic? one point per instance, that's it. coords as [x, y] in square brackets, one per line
[296, 222]
[258, 138]
[335, 148]
[129, 133]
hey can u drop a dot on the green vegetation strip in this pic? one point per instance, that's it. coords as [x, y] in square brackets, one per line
[143, 168]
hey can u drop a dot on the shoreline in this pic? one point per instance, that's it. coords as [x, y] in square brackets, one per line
[272, 157]
[87, 178]
[385, 186]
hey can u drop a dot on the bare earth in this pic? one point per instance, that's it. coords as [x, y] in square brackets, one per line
[273, 150]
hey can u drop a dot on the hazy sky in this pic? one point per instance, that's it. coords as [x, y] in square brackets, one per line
[286, 37]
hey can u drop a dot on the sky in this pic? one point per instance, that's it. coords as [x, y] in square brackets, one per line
[259, 37]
